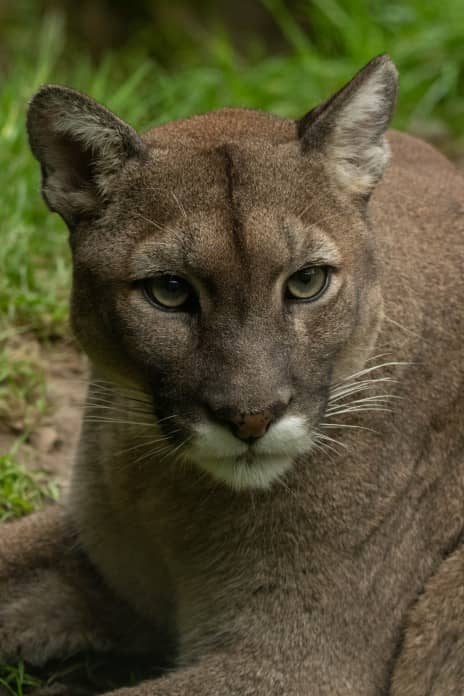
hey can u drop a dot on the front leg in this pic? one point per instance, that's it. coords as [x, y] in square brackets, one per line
[235, 673]
[263, 666]
[432, 657]
[52, 602]
[45, 612]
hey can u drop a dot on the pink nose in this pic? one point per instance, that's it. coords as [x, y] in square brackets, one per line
[249, 425]
[252, 425]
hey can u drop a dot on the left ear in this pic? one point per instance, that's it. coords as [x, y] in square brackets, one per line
[349, 128]
[81, 147]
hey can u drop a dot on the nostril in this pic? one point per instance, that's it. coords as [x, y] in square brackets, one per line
[251, 427]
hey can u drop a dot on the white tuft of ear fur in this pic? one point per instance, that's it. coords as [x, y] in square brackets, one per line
[351, 127]
[357, 154]
[102, 141]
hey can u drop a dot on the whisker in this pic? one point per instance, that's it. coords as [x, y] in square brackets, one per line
[346, 396]
[181, 455]
[341, 386]
[326, 438]
[180, 205]
[162, 228]
[378, 356]
[117, 409]
[120, 421]
[324, 447]
[147, 442]
[108, 396]
[368, 370]
[347, 425]
[156, 225]
[357, 409]
[356, 403]
[352, 388]
[403, 328]
[111, 388]
[151, 453]
[369, 399]
[173, 452]
[111, 384]
[165, 418]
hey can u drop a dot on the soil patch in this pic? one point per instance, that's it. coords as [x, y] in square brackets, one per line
[52, 443]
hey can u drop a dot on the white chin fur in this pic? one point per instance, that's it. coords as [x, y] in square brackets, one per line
[231, 461]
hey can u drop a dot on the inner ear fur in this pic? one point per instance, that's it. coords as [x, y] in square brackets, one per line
[80, 145]
[349, 128]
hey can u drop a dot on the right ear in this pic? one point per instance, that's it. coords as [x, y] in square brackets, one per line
[349, 128]
[80, 146]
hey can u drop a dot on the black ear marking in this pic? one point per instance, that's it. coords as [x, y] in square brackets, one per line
[349, 128]
[80, 145]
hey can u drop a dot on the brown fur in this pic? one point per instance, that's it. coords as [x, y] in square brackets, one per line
[338, 580]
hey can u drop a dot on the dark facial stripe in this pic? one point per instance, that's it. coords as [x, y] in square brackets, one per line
[232, 203]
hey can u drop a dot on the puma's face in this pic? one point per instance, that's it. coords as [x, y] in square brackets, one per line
[201, 289]
[225, 264]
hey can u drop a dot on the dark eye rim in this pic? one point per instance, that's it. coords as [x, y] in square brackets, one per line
[328, 275]
[189, 306]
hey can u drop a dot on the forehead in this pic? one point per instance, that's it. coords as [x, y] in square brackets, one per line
[233, 160]
[194, 178]
[206, 208]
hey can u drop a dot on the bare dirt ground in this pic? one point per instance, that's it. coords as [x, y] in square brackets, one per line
[51, 446]
[55, 441]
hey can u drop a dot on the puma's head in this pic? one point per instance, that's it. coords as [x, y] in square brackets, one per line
[225, 262]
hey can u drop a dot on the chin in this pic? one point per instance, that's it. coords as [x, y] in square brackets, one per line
[241, 467]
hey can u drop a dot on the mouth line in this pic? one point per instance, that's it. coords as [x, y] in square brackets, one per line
[247, 457]
[247, 470]
[251, 457]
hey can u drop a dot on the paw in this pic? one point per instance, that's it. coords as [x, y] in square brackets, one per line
[43, 619]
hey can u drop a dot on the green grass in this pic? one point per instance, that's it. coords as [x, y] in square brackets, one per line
[22, 405]
[16, 680]
[21, 492]
[22, 387]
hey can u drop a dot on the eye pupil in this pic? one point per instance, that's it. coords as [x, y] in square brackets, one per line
[173, 286]
[307, 274]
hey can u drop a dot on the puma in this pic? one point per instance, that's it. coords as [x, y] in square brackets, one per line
[268, 495]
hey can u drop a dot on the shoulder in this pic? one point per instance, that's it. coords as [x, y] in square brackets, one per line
[408, 152]
[418, 172]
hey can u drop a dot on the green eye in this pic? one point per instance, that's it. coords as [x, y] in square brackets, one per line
[169, 292]
[308, 284]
